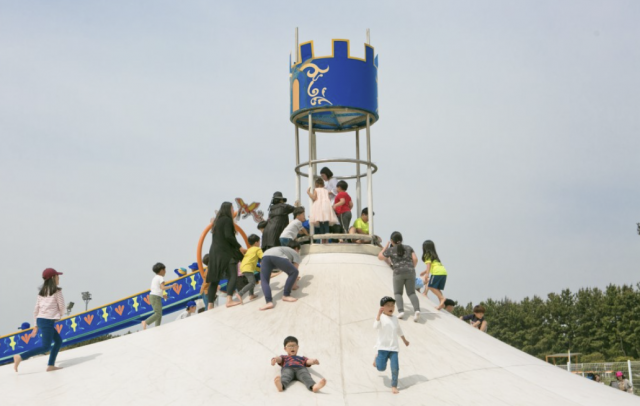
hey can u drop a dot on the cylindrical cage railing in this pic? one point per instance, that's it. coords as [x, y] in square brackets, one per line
[358, 162]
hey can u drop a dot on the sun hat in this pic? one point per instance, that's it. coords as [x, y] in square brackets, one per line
[386, 300]
[191, 303]
[278, 195]
[50, 273]
[619, 373]
[24, 326]
[194, 266]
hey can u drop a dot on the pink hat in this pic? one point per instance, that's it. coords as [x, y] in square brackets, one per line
[50, 273]
[619, 373]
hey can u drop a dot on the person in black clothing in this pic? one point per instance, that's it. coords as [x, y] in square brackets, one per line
[224, 255]
[278, 220]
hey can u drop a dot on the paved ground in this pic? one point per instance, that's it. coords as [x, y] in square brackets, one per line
[222, 357]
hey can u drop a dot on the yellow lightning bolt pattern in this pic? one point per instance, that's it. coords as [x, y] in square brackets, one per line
[165, 296]
[12, 343]
[193, 282]
[73, 324]
[135, 303]
[105, 314]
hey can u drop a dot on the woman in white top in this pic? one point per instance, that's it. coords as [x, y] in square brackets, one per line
[50, 307]
[330, 183]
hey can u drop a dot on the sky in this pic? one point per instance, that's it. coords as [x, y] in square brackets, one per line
[508, 135]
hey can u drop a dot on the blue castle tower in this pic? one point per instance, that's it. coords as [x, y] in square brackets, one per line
[335, 93]
[340, 90]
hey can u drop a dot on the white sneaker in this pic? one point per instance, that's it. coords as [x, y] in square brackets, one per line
[400, 315]
[416, 317]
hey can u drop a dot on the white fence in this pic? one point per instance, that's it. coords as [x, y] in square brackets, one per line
[607, 371]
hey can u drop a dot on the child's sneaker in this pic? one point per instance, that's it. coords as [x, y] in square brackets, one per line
[400, 315]
[416, 317]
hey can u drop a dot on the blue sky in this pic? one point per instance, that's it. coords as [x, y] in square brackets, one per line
[508, 134]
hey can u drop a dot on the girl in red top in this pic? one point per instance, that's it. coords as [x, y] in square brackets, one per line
[343, 206]
[50, 308]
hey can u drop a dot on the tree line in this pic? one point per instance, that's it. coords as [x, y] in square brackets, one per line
[602, 325]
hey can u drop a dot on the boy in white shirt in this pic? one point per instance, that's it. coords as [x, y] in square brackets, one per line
[387, 345]
[155, 296]
[294, 228]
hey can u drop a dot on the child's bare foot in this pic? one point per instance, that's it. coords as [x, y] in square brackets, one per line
[267, 307]
[441, 305]
[289, 299]
[16, 361]
[239, 297]
[231, 303]
[253, 297]
[278, 383]
[144, 325]
[319, 385]
[295, 286]
[395, 390]
[374, 363]
[51, 368]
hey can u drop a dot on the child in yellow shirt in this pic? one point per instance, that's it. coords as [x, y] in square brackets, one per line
[249, 265]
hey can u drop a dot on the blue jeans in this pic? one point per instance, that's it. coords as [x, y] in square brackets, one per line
[49, 334]
[270, 263]
[322, 228]
[381, 364]
[284, 242]
[205, 299]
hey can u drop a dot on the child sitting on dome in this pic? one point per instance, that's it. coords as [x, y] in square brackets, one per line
[294, 367]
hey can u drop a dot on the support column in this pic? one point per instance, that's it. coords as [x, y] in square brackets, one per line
[298, 197]
[369, 179]
[310, 172]
[358, 185]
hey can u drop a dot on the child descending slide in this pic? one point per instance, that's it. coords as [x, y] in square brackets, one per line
[435, 274]
[387, 345]
[294, 367]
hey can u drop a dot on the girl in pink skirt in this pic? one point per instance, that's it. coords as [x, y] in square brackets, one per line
[322, 215]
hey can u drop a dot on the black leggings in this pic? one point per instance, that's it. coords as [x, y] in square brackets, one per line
[232, 275]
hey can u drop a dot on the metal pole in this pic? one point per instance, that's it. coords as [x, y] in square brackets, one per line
[297, 53]
[368, 37]
[358, 186]
[569, 363]
[369, 179]
[297, 163]
[310, 173]
[630, 374]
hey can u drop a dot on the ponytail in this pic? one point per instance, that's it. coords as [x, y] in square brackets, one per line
[396, 238]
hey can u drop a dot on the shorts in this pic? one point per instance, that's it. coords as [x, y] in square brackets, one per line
[437, 281]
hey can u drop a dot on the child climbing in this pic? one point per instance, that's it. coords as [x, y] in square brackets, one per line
[403, 260]
[387, 345]
[435, 274]
[249, 265]
[155, 296]
[322, 215]
[294, 367]
[49, 308]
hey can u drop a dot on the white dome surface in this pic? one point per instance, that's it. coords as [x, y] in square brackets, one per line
[222, 357]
